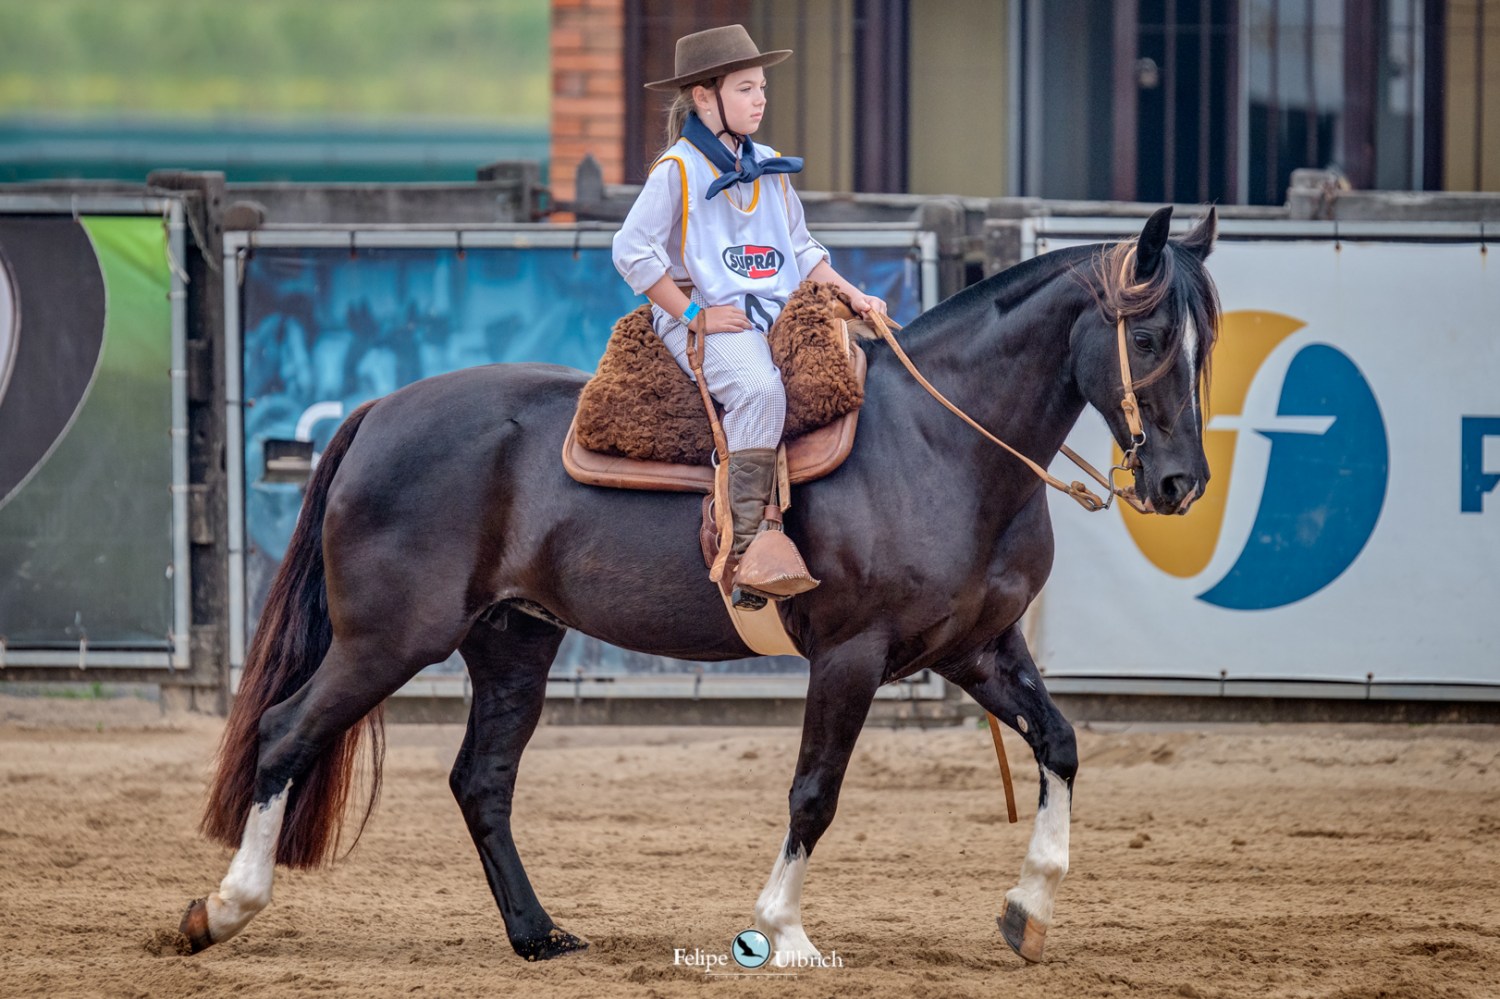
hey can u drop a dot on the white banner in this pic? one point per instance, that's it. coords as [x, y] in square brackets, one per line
[1351, 531]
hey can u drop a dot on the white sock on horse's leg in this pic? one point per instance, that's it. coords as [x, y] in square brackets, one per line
[1046, 862]
[778, 913]
[246, 889]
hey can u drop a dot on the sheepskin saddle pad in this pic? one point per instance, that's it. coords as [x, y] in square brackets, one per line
[640, 422]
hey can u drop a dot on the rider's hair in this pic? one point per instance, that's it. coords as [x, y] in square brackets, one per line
[677, 114]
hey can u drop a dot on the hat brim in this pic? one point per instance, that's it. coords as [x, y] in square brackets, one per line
[770, 58]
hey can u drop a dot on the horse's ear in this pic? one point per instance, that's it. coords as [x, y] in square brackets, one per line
[1200, 240]
[1153, 241]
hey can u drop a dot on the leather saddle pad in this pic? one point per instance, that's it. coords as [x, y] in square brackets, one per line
[640, 422]
[809, 457]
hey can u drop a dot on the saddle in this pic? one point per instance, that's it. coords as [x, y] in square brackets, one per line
[640, 422]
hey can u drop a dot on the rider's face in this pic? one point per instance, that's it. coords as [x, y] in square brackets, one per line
[744, 94]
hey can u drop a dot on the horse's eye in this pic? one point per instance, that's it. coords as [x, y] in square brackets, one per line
[1144, 341]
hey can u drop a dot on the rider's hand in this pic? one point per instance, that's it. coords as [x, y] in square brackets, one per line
[862, 303]
[720, 319]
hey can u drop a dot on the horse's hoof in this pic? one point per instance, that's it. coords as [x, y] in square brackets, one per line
[555, 944]
[195, 925]
[1024, 934]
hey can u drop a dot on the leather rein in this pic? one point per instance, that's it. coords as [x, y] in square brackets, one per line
[1077, 490]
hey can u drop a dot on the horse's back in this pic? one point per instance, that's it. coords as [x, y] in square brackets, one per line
[458, 480]
[429, 452]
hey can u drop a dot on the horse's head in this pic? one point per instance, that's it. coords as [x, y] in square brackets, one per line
[1170, 308]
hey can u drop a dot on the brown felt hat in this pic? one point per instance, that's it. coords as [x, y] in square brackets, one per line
[704, 55]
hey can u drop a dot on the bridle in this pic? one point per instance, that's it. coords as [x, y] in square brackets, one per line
[1130, 462]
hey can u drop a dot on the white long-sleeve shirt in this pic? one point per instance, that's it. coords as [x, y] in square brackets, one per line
[649, 242]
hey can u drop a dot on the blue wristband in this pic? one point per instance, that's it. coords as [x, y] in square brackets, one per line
[692, 310]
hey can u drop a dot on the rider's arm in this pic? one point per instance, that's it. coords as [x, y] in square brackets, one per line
[666, 296]
[640, 245]
[808, 251]
[813, 259]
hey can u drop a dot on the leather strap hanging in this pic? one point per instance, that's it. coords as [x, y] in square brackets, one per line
[723, 520]
[1010, 792]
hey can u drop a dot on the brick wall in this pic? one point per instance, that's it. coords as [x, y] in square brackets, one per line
[588, 90]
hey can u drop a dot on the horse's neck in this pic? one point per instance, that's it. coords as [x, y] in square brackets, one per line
[1008, 368]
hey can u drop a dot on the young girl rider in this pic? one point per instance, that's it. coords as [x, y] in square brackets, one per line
[718, 242]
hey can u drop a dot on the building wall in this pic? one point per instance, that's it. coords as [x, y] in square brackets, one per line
[960, 97]
[1471, 120]
[811, 95]
[588, 90]
[959, 86]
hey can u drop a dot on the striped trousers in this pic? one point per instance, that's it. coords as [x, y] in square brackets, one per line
[741, 377]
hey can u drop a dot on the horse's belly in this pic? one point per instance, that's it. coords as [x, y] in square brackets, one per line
[626, 568]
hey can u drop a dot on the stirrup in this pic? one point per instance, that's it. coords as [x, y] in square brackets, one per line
[772, 566]
[747, 599]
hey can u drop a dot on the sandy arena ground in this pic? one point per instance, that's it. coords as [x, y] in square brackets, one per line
[1286, 861]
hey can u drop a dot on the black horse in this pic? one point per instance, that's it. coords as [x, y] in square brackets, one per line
[440, 518]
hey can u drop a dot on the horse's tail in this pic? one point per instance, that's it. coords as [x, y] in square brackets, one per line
[291, 640]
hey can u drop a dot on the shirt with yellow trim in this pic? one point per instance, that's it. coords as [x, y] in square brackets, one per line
[648, 244]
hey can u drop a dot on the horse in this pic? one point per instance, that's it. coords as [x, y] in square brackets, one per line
[440, 518]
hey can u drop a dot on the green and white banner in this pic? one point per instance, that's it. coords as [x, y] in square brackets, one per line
[86, 443]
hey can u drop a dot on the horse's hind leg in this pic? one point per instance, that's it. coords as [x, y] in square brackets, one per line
[1006, 683]
[508, 661]
[354, 677]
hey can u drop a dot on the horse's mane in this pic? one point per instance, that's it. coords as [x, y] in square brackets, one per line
[1107, 270]
[1180, 276]
[1005, 288]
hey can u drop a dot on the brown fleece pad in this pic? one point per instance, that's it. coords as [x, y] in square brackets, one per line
[809, 457]
[640, 405]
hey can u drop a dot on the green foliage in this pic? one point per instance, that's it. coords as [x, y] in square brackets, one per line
[475, 59]
[76, 692]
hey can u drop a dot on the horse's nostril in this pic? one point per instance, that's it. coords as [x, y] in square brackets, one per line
[1174, 488]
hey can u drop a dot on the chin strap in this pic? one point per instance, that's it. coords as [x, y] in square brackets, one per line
[737, 138]
[1077, 490]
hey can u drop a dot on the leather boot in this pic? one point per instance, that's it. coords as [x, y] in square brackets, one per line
[752, 472]
[763, 560]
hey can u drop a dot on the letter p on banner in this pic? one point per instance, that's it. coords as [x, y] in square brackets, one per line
[1475, 480]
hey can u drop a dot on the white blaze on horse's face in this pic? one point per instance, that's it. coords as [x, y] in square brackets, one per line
[778, 913]
[246, 889]
[1190, 347]
[1046, 862]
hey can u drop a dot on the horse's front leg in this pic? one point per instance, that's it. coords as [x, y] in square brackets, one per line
[839, 692]
[1006, 683]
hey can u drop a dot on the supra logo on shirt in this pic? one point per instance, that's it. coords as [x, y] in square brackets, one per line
[754, 261]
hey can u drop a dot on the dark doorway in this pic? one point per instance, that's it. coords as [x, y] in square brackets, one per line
[1182, 82]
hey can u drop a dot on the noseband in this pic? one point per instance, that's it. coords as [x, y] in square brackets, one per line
[1077, 490]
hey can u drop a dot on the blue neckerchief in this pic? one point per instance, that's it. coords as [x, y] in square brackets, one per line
[749, 169]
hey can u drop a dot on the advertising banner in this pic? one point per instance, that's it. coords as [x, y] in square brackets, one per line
[1351, 530]
[325, 329]
[86, 448]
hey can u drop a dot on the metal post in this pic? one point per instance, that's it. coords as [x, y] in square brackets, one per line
[1126, 100]
[881, 29]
